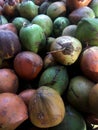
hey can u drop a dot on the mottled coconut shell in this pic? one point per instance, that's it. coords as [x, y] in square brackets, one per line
[46, 108]
[13, 111]
[8, 81]
[66, 49]
[9, 44]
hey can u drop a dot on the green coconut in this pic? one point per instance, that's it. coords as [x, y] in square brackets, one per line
[56, 9]
[94, 6]
[19, 22]
[45, 22]
[73, 120]
[50, 40]
[27, 9]
[78, 92]
[32, 38]
[59, 24]
[3, 20]
[55, 77]
[87, 31]
[69, 30]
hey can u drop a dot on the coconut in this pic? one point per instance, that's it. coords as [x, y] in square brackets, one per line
[78, 93]
[46, 108]
[90, 35]
[66, 49]
[89, 63]
[93, 99]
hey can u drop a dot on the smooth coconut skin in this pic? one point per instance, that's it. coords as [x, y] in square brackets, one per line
[94, 6]
[84, 12]
[55, 77]
[78, 93]
[28, 65]
[9, 26]
[46, 108]
[73, 120]
[69, 30]
[89, 63]
[93, 99]
[3, 20]
[13, 111]
[34, 35]
[30, 9]
[26, 95]
[74, 4]
[56, 9]
[19, 21]
[9, 44]
[9, 81]
[45, 22]
[90, 25]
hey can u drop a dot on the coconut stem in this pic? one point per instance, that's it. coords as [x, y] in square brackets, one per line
[51, 52]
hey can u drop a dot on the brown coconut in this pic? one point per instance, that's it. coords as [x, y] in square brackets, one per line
[9, 81]
[13, 111]
[89, 63]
